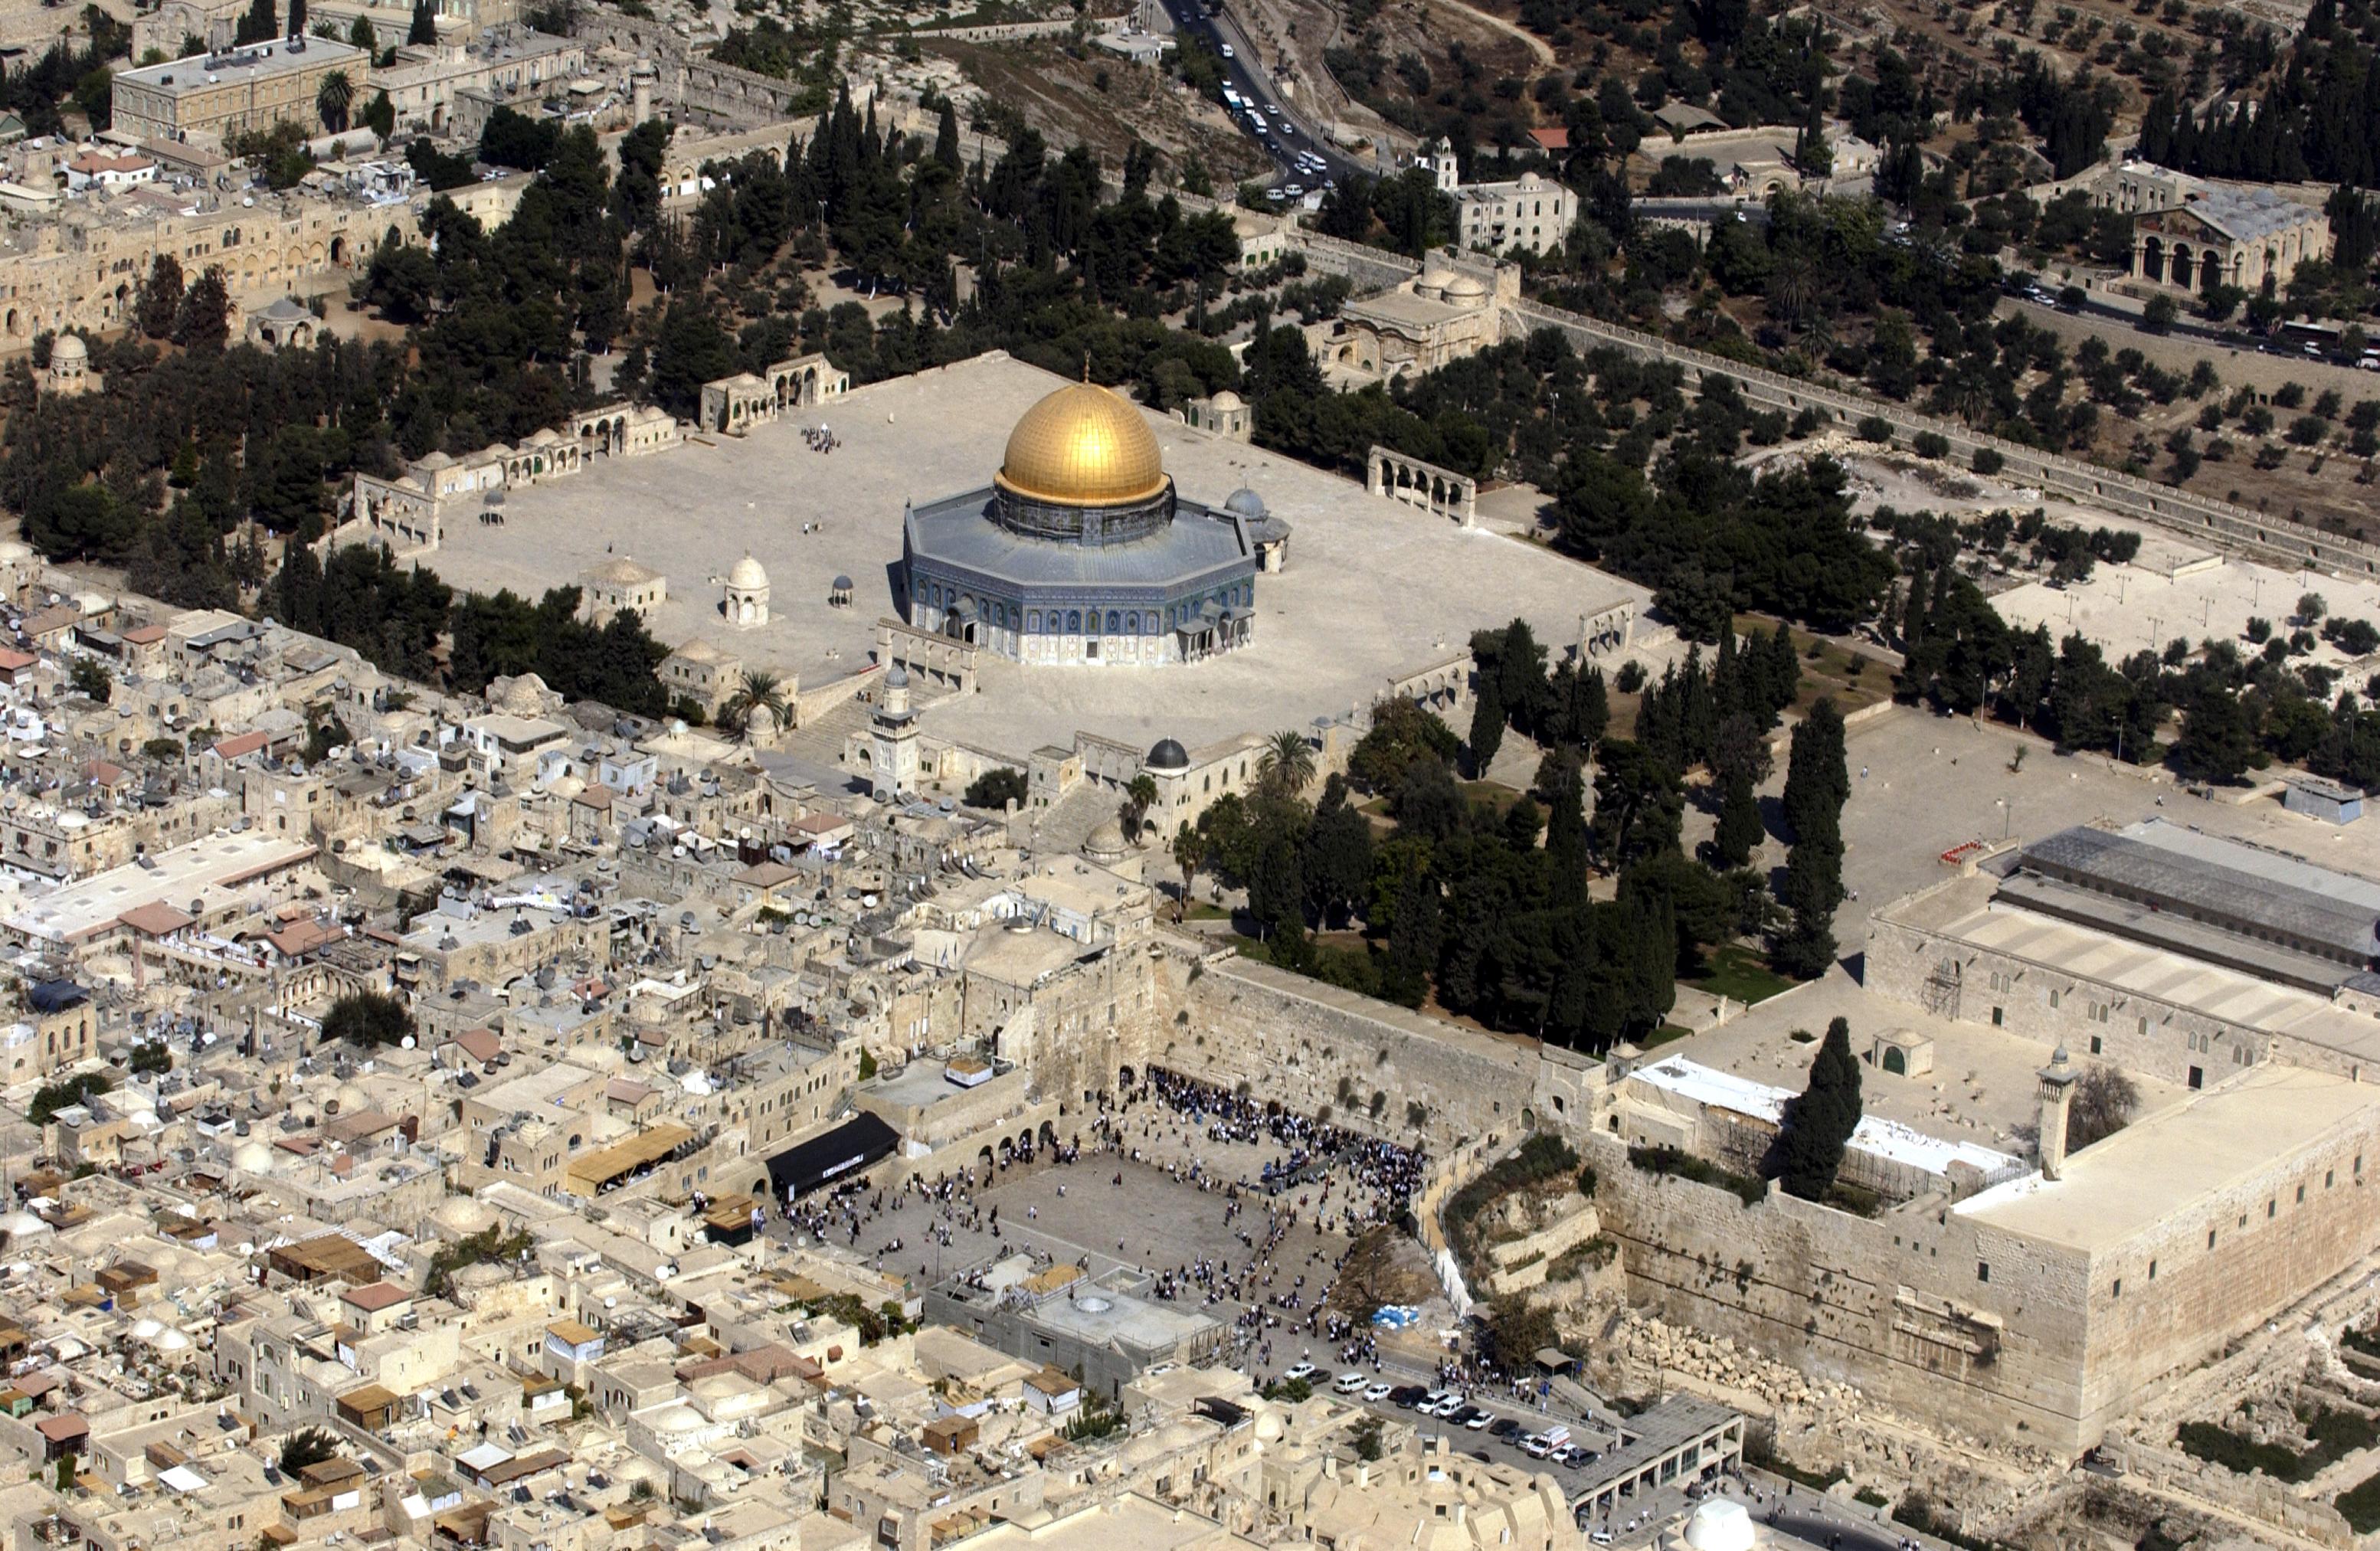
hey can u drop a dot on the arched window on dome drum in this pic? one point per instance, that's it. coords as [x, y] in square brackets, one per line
[1115, 622]
[1033, 621]
[1073, 621]
[1148, 622]
[1132, 622]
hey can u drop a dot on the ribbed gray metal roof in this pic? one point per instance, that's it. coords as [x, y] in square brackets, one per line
[2221, 880]
[959, 531]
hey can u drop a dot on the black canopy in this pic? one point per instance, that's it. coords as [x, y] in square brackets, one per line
[823, 1161]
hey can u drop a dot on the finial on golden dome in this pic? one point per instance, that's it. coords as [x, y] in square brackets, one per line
[1086, 366]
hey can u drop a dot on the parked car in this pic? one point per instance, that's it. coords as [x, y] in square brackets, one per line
[1349, 1384]
[1300, 1370]
[1477, 1420]
[1503, 1427]
[1408, 1396]
[1536, 1446]
[1376, 1393]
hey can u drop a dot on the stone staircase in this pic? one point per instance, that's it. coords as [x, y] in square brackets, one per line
[1061, 829]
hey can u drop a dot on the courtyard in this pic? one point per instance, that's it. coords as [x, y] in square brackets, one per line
[1373, 590]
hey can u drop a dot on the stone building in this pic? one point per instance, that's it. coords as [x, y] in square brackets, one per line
[2165, 951]
[1222, 414]
[286, 324]
[1531, 211]
[1081, 552]
[428, 79]
[703, 673]
[224, 95]
[734, 405]
[623, 584]
[745, 594]
[70, 372]
[1444, 314]
[2247, 238]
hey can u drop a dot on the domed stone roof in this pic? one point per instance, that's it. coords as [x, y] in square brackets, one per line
[1244, 503]
[68, 347]
[1106, 842]
[1082, 446]
[523, 695]
[1435, 280]
[748, 574]
[1464, 287]
[1168, 755]
[898, 678]
[1228, 400]
[252, 1157]
[463, 1217]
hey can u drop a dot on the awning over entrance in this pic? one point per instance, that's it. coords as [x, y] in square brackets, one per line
[823, 1161]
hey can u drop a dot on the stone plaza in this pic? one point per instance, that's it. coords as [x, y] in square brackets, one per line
[1374, 590]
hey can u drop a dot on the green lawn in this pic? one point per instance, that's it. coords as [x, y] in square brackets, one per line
[1742, 974]
[1200, 912]
[1494, 794]
[1663, 1035]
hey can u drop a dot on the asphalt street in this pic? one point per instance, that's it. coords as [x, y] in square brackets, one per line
[1291, 130]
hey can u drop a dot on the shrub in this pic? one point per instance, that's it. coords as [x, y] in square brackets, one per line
[1681, 1165]
[1930, 445]
[996, 787]
[1989, 461]
[1877, 429]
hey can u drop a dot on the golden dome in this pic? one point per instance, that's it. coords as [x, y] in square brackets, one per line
[1082, 446]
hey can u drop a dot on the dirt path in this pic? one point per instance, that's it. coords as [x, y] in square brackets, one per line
[1540, 49]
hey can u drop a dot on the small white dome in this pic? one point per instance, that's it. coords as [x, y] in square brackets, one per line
[1464, 287]
[252, 1157]
[748, 574]
[1228, 400]
[22, 1224]
[171, 1340]
[68, 347]
[1720, 1524]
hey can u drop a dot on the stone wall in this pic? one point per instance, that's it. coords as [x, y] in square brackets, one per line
[2277, 540]
[2126, 1027]
[1893, 1305]
[1367, 268]
[1313, 1047]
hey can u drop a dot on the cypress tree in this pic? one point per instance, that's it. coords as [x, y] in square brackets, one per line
[1486, 726]
[1819, 1122]
[946, 137]
[1738, 823]
[425, 24]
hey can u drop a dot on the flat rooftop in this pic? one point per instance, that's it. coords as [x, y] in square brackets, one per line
[1876, 1135]
[2125, 1184]
[205, 72]
[1983, 1085]
[207, 869]
[1373, 590]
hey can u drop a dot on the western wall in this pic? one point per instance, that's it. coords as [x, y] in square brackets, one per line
[2014, 1332]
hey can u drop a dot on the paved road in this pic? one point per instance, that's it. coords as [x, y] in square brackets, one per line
[1292, 130]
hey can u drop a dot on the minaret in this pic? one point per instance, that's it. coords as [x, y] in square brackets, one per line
[2057, 1091]
[896, 739]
